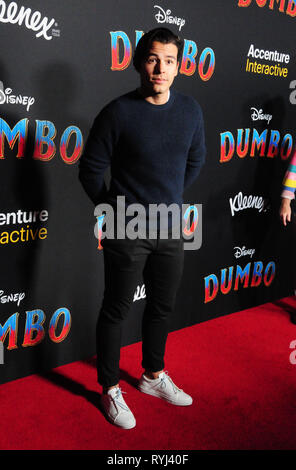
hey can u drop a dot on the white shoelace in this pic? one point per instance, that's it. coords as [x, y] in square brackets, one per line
[163, 382]
[117, 397]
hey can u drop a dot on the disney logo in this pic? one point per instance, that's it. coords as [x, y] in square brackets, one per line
[6, 96]
[165, 17]
[11, 297]
[243, 252]
[258, 115]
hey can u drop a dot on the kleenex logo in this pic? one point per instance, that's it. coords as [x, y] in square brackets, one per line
[31, 20]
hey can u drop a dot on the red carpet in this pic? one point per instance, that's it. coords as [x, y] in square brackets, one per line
[236, 367]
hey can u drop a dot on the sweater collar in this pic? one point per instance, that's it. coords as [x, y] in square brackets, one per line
[158, 107]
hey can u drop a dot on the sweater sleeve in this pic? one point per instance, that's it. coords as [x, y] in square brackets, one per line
[97, 154]
[196, 154]
[289, 182]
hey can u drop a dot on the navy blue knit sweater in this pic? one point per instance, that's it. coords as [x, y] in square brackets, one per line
[155, 151]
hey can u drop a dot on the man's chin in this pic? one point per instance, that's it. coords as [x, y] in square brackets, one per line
[159, 90]
[155, 90]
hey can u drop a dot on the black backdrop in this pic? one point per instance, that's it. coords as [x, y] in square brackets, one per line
[62, 73]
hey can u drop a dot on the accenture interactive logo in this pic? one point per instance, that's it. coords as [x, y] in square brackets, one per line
[27, 226]
[276, 66]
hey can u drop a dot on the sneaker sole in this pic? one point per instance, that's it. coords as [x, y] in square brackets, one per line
[110, 419]
[154, 394]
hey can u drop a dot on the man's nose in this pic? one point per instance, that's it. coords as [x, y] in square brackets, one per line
[160, 66]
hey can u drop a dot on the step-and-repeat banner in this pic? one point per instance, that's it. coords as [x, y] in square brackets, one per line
[60, 63]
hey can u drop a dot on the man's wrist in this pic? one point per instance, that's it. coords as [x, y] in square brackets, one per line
[286, 201]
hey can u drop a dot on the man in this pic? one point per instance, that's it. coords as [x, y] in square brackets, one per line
[153, 139]
[288, 194]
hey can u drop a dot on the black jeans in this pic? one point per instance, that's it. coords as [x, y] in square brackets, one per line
[161, 264]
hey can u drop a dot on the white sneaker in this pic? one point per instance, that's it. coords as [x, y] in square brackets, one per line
[164, 387]
[117, 410]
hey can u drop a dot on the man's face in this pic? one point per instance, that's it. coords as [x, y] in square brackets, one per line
[160, 68]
